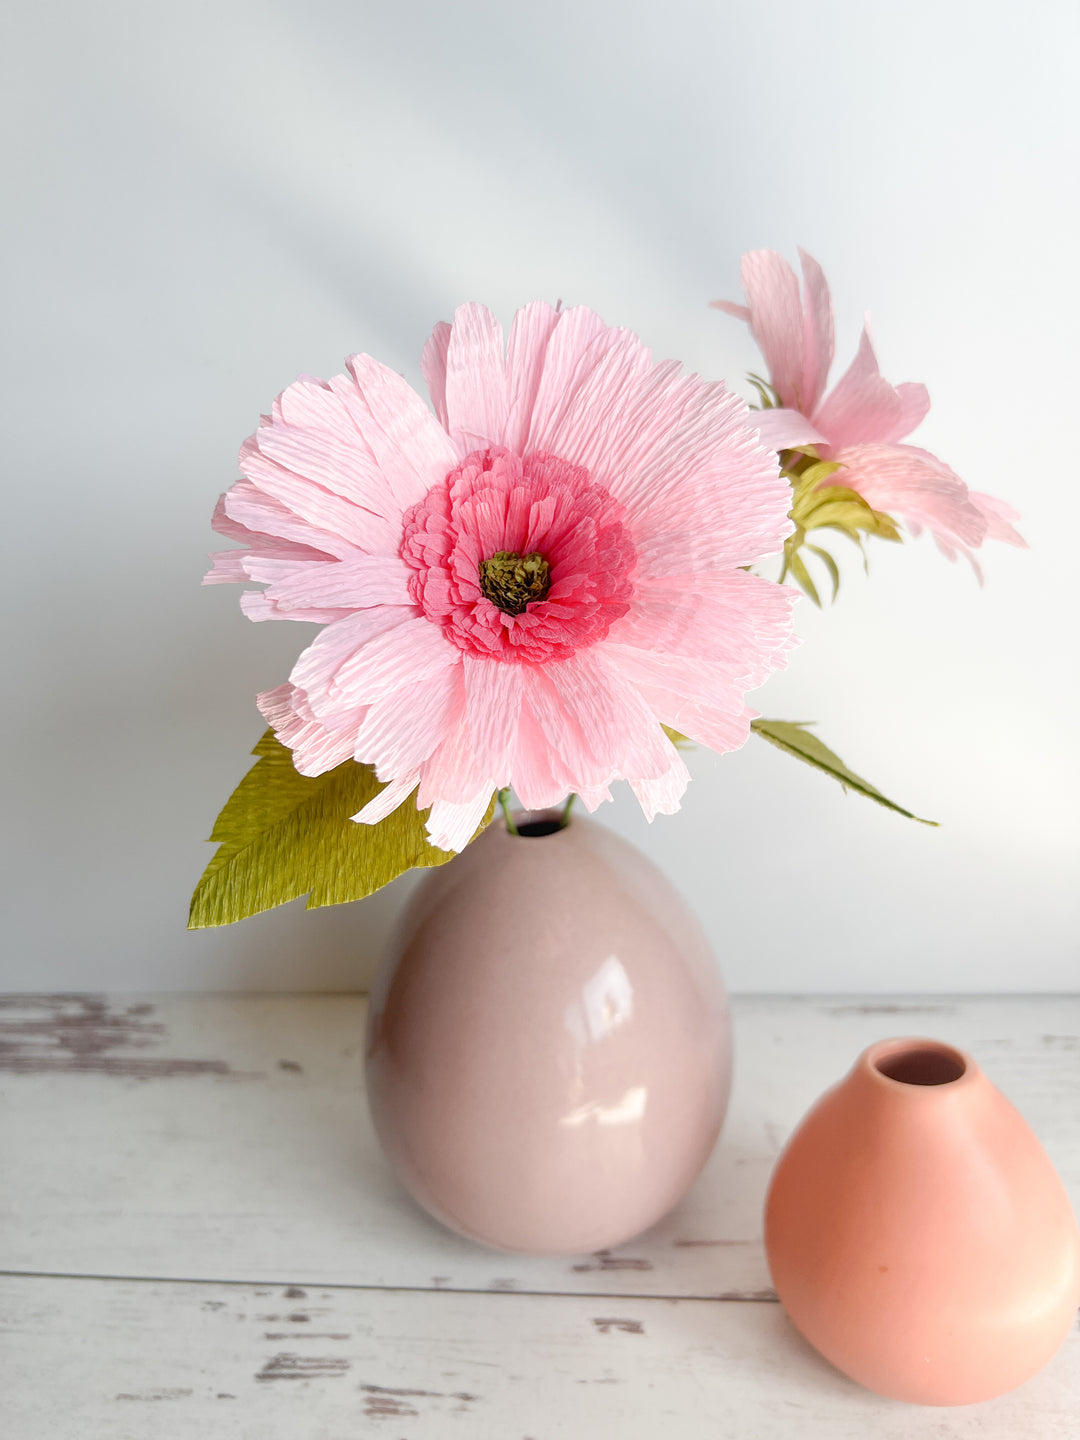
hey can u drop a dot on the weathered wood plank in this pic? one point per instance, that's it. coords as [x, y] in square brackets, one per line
[226, 1137]
[85, 1359]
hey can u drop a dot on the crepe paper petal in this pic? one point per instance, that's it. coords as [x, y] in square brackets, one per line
[782, 429]
[519, 587]
[916, 487]
[861, 421]
[776, 320]
[818, 333]
[862, 406]
[476, 390]
[998, 516]
[433, 368]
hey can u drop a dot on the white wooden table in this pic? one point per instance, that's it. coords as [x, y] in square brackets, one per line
[199, 1237]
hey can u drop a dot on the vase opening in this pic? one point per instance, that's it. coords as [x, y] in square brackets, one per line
[533, 823]
[922, 1065]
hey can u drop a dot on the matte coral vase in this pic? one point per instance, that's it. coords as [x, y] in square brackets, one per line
[548, 1057]
[917, 1233]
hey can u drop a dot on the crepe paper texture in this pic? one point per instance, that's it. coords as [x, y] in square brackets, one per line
[858, 425]
[545, 581]
[282, 835]
[521, 588]
[792, 737]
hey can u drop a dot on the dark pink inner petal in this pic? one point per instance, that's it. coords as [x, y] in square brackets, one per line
[497, 503]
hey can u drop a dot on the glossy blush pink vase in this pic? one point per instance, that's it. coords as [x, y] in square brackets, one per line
[548, 1052]
[917, 1233]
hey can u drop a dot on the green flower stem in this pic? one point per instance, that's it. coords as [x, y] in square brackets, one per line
[504, 801]
[566, 811]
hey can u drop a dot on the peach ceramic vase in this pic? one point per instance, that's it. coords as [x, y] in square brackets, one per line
[917, 1233]
[548, 1052]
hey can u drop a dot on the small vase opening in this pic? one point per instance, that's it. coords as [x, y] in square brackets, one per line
[531, 824]
[921, 1064]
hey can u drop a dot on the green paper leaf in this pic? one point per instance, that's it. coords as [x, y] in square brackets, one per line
[282, 835]
[830, 565]
[802, 575]
[791, 736]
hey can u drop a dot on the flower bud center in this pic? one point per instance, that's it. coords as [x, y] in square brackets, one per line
[512, 581]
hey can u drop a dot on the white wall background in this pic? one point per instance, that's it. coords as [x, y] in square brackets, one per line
[206, 199]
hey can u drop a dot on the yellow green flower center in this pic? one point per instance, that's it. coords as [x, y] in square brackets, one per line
[511, 581]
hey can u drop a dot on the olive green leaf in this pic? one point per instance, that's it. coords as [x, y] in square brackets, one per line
[282, 835]
[676, 737]
[770, 400]
[791, 736]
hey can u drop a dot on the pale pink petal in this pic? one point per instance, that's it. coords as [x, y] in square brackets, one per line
[226, 524]
[578, 341]
[541, 779]
[728, 507]
[452, 825]
[862, 407]
[679, 452]
[776, 320]
[318, 665]
[476, 389]
[257, 605]
[597, 415]
[914, 408]
[916, 487]
[405, 726]
[256, 513]
[526, 354]
[313, 423]
[387, 800]
[344, 468]
[608, 717]
[567, 737]
[410, 447]
[314, 748]
[415, 648]
[998, 516]
[729, 307]
[433, 368]
[738, 622]
[227, 567]
[701, 683]
[454, 772]
[493, 695]
[818, 336]
[355, 583]
[713, 472]
[663, 795]
[320, 509]
[717, 730]
[785, 429]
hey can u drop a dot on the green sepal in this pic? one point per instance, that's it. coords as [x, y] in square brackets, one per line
[676, 737]
[791, 736]
[816, 504]
[282, 835]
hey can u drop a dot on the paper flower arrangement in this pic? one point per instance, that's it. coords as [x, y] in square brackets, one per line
[543, 585]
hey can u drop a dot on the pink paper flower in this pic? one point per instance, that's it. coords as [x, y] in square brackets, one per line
[862, 420]
[521, 588]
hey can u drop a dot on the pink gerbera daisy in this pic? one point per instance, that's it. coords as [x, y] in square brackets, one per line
[860, 423]
[522, 588]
